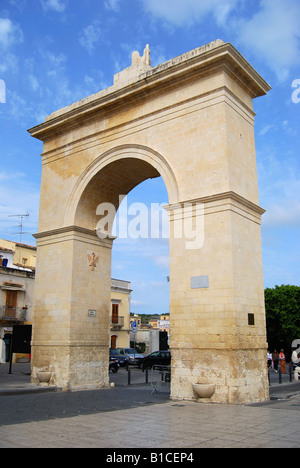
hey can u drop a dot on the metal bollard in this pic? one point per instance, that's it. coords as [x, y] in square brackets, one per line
[280, 374]
[129, 377]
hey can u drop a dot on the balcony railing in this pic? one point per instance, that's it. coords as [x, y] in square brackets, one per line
[14, 314]
[116, 322]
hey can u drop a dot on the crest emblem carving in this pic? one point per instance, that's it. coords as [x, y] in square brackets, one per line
[93, 260]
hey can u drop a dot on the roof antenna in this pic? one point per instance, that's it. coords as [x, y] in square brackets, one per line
[20, 226]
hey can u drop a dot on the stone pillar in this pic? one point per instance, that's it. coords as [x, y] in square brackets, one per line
[72, 300]
[217, 299]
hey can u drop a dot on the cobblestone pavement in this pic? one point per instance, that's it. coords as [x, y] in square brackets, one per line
[133, 417]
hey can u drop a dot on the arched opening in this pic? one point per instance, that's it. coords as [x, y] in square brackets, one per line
[115, 180]
[140, 252]
[116, 173]
[128, 170]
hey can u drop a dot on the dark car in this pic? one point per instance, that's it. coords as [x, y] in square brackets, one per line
[134, 357]
[113, 366]
[159, 358]
[122, 360]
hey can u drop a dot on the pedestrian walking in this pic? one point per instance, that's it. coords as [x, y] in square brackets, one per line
[282, 361]
[295, 357]
[2, 350]
[275, 358]
[269, 359]
[295, 363]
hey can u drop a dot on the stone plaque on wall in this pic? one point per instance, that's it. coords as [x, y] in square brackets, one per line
[199, 282]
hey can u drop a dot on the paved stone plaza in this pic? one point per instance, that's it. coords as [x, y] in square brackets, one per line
[133, 417]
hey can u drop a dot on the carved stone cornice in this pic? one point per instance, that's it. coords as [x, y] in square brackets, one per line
[219, 202]
[197, 62]
[71, 233]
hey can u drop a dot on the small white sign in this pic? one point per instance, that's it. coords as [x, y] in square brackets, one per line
[92, 313]
[163, 324]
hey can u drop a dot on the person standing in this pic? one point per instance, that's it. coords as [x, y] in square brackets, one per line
[295, 357]
[269, 359]
[295, 364]
[282, 361]
[2, 351]
[275, 357]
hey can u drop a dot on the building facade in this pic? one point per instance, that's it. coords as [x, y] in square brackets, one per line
[120, 314]
[16, 291]
[17, 278]
[24, 256]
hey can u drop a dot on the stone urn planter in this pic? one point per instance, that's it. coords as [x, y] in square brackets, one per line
[204, 391]
[44, 378]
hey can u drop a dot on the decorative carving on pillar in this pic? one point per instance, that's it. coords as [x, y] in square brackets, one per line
[93, 260]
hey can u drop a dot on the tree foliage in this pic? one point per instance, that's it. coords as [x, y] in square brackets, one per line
[283, 315]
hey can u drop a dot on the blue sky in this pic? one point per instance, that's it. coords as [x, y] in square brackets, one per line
[55, 52]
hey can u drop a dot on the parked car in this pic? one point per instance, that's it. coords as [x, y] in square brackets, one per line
[159, 358]
[122, 360]
[113, 366]
[134, 357]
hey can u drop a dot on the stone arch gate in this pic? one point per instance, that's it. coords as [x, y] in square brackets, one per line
[191, 121]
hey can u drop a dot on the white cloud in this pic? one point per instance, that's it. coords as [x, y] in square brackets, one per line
[8, 61]
[162, 260]
[95, 84]
[273, 33]
[17, 107]
[54, 59]
[55, 5]
[90, 37]
[34, 84]
[181, 12]
[11, 176]
[112, 5]
[283, 215]
[10, 33]
[265, 129]
[136, 303]
[279, 181]
[20, 5]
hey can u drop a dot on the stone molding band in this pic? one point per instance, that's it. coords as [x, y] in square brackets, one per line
[212, 204]
[221, 202]
[69, 233]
